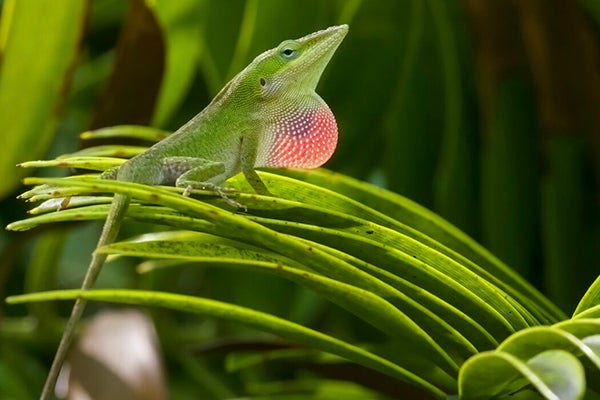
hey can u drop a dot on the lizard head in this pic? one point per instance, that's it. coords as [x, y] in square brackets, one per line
[278, 89]
[300, 129]
[296, 65]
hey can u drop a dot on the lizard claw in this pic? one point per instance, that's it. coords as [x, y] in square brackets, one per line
[219, 190]
[187, 191]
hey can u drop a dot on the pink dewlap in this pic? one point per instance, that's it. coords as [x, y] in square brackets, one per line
[305, 139]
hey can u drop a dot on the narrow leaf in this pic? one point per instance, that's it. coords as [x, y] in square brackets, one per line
[252, 318]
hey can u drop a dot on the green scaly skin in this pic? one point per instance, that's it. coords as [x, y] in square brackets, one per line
[268, 115]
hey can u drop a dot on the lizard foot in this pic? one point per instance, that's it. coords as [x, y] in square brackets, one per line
[219, 191]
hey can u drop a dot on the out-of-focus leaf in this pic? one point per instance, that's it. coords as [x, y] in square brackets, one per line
[509, 177]
[39, 45]
[181, 23]
[218, 41]
[12, 385]
[570, 242]
[131, 92]
[117, 357]
[411, 122]
[257, 28]
[20, 372]
[593, 8]
[454, 184]
[252, 318]
[323, 365]
[311, 389]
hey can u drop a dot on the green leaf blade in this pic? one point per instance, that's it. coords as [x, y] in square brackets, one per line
[252, 318]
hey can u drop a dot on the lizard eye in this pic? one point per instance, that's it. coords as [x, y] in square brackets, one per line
[262, 82]
[289, 50]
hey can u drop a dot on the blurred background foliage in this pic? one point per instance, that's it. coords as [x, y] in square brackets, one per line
[485, 112]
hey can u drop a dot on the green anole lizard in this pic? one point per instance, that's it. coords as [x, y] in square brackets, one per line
[268, 115]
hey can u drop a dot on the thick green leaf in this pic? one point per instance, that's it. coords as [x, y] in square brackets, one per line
[550, 358]
[592, 312]
[590, 299]
[588, 332]
[40, 41]
[529, 342]
[560, 372]
[555, 374]
[252, 318]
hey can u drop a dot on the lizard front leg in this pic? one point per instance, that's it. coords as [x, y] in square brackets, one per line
[248, 149]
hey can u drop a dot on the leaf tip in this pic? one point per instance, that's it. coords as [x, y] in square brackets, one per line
[86, 135]
[12, 300]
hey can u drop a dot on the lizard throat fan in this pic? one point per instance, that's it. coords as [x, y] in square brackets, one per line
[301, 138]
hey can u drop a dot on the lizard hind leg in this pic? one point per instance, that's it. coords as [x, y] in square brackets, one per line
[198, 173]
